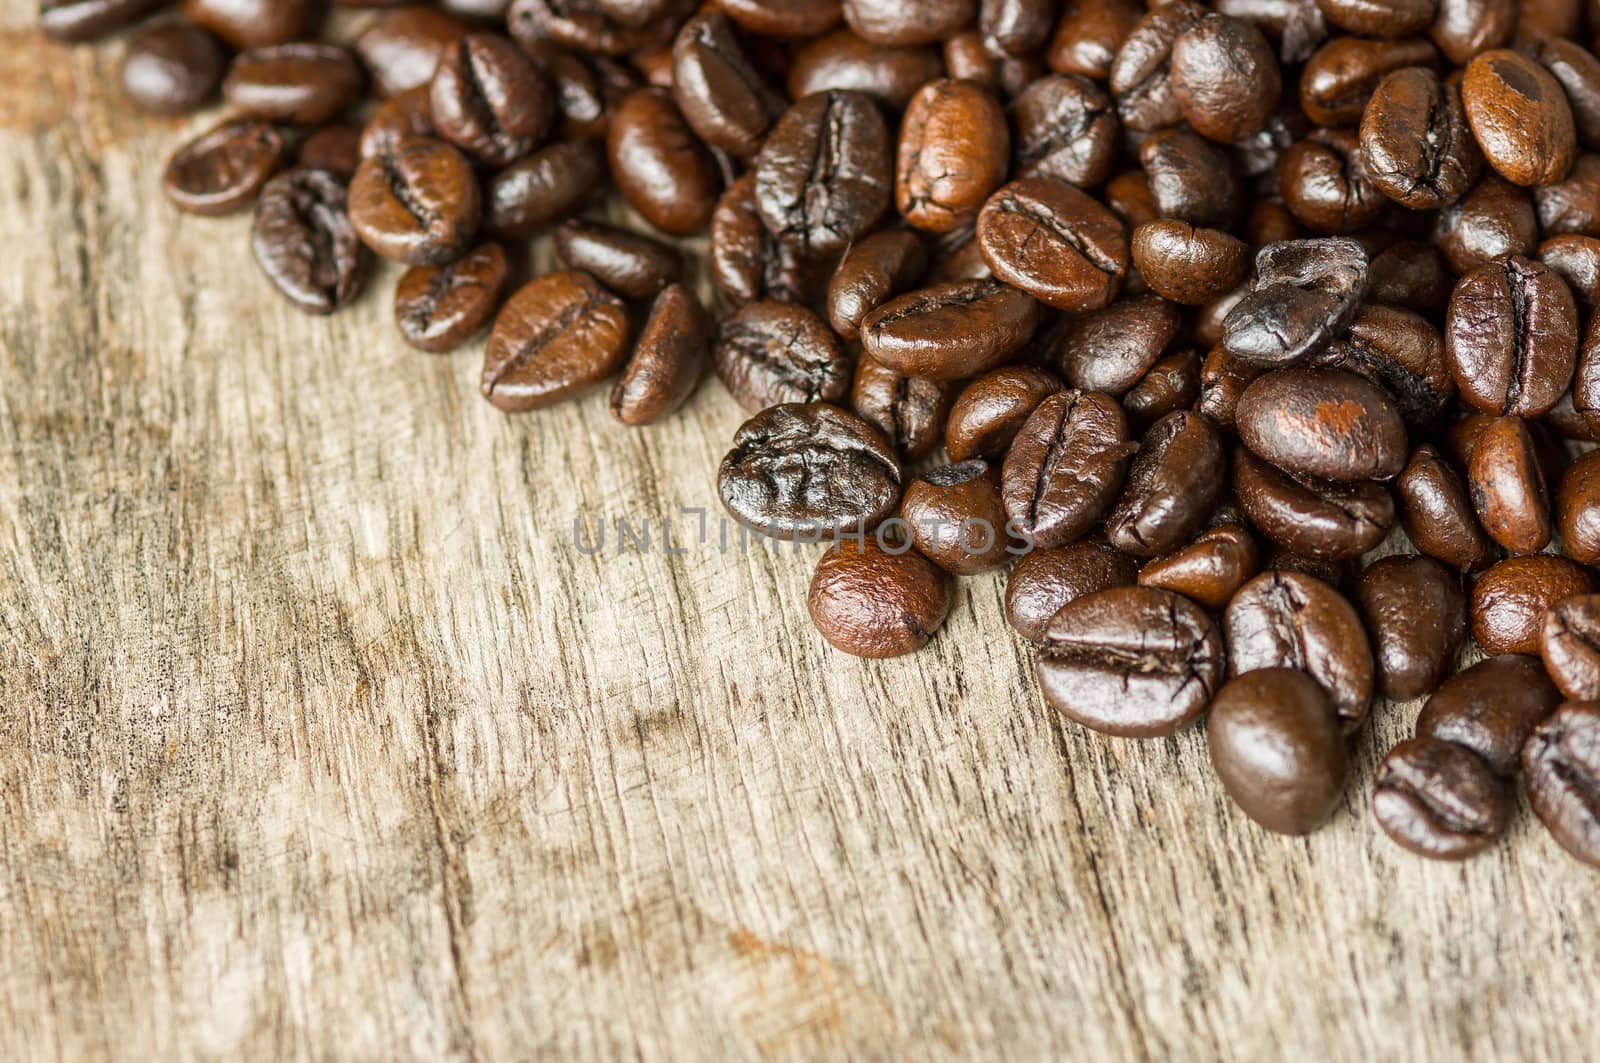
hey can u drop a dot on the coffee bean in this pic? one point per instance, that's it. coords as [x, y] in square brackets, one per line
[1561, 775]
[438, 308]
[956, 517]
[1416, 146]
[747, 263]
[1065, 466]
[1511, 337]
[1324, 183]
[872, 271]
[87, 20]
[1463, 28]
[1395, 18]
[1571, 205]
[1577, 260]
[171, 68]
[893, 22]
[1493, 219]
[784, 18]
[1223, 379]
[1507, 487]
[631, 264]
[1416, 614]
[1297, 27]
[1191, 179]
[1412, 274]
[410, 114]
[950, 331]
[1437, 514]
[1136, 662]
[1044, 580]
[991, 410]
[873, 602]
[1174, 484]
[1439, 800]
[419, 205]
[1305, 293]
[1173, 383]
[1088, 35]
[303, 83]
[1276, 747]
[1577, 71]
[1322, 423]
[1342, 76]
[953, 152]
[1403, 353]
[1225, 77]
[1055, 243]
[223, 169]
[592, 25]
[1509, 601]
[658, 164]
[769, 353]
[542, 189]
[1569, 642]
[1111, 349]
[823, 176]
[667, 361]
[1291, 620]
[1209, 570]
[1520, 117]
[1336, 521]
[333, 147]
[489, 100]
[723, 97]
[1577, 511]
[1065, 128]
[304, 242]
[247, 24]
[909, 411]
[1141, 75]
[557, 336]
[809, 470]
[1017, 27]
[1189, 265]
[843, 61]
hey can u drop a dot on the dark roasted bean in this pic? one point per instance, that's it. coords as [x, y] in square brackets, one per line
[1173, 383]
[631, 264]
[1066, 128]
[419, 204]
[950, 331]
[723, 97]
[1065, 466]
[304, 242]
[489, 100]
[556, 337]
[1509, 601]
[223, 169]
[1438, 515]
[956, 517]
[1416, 146]
[1276, 746]
[875, 602]
[1511, 337]
[438, 308]
[841, 60]
[1044, 580]
[1305, 293]
[667, 361]
[1111, 349]
[1209, 570]
[542, 189]
[1174, 484]
[1561, 774]
[1520, 117]
[1416, 614]
[302, 83]
[824, 174]
[953, 152]
[1439, 800]
[1322, 423]
[909, 411]
[770, 353]
[1055, 243]
[658, 164]
[991, 410]
[1507, 486]
[171, 68]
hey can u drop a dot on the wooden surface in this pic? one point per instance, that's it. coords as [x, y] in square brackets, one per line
[319, 739]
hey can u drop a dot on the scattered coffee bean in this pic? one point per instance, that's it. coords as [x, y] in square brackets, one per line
[873, 271]
[1065, 466]
[667, 361]
[1561, 774]
[438, 308]
[770, 353]
[303, 83]
[1569, 643]
[909, 411]
[1188, 265]
[1416, 145]
[874, 602]
[1332, 521]
[223, 169]
[956, 517]
[1305, 293]
[1439, 800]
[631, 264]
[1322, 423]
[305, 243]
[419, 205]
[950, 331]
[1507, 486]
[1511, 337]
[1509, 601]
[1209, 570]
[824, 174]
[725, 100]
[1044, 580]
[1437, 515]
[1111, 349]
[557, 336]
[1416, 614]
[954, 149]
[171, 68]
[489, 100]
[1174, 484]
[991, 410]
[659, 165]
[1520, 117]
[1276, 746]
[1577, 515]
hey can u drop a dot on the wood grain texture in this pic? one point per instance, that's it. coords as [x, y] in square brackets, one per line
[320, 739]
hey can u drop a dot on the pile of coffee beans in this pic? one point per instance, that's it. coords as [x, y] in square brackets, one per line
[1204, 306]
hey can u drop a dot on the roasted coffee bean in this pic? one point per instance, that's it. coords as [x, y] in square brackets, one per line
[1223, 379]
[1276, 747]
[1577, 71]
[1586, 377]
[667, 361]
[1439, 800]
[1297, 26]
[1322, 423]
[249, 24]
[1387, 18]
[950, 331]
[1490, 709]
[1017, 27]
[438, 308]
[631, 264]
[1340, 575]
[1065, 466]
[1111, 349]
[1066, 128]
[1173, 383]
[1412, 274]
[1577, 260]
[909, 411]
[874, 270]
[401, 47]
[1136, 662]
[304, 242]
[1045, 580]
[1520, 117]
[842, 60]
[1055, 243]
[419, 204]
[1416, 146]
[1416, 614]
[1463, 28]
[1209, 570]
[1494, 219]
[893, 22]
[875, 602]
[723, 97]
[1129, 196]
[542, 189]
[171, 68]
[1437, 514]
[1571, 205]
[410, 114]
[769, 353]
[954, 148]
[747, 263]
[784, 18]
[1510, 600]
[658, 164]
[223, 169]
[1225, 78]
[1341, 77]
[1174, 484]
[1511, 337]
[1089, 34]
[333, 147]
[594, 26]
[302, 83]
[579, 97]
[823, 176]
[1291, 620]
[1324, 183]
[1507, 487]
[1569, 643]
[1405, 354]
[809, 470]
[991, 410]
[1191, 179]
[1577, 511]
[1561, 775]
[87, 20]
[1305, 293]
[1141, 75]
[1189, 265]
[956, 517]
[557, 336]
[490, 101]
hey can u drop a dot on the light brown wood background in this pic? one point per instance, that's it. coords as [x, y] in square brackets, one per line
[318, 738]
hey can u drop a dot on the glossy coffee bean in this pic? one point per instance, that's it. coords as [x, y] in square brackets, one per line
[1577, 260]
[1495, 218]
[1571, 205]
[950, 331]
[991, 410]
[668, 359]
[1577, 509]
[723, 97]
[1404, 354]
[1174, 484]
[1088, 35]
[746, 263]
[247, 24]
[873, 602]
[1438, 514]
[1509, 601]
[892, 22]
[1189, 265]
[1066, 128]
[605, 29]
[1044, 580]
[304, 242]
[556, 337]
[1223, 379]
[1416, 614]
[171, 68]
[1141, 75]
[1324, 183]
[419, 205]
[1111, 349]
[1412, 275]
[1512, 337]
[1065, 466]
[1490, 709]
[542, 189]
[1136, 662]
[579, 97]
[809, 470]
[1276, 747]
[1305, 293]
[1507, 487]
[1464, 28]
[1416, 146]
[953, 152]
[333, 147]
[1173, 383]
[841, 60]
[490, 101]
[824, 175]
[1191, 179]
[224, 168]
[301, 83]
[1341, 77]
[1322, 423]
[1561, 776]
[909, 411]
[956, 517]
[1520, 117]
[1209, 570]
[1578, 72]
[1332, 521]
[438, 308]
[784, 18]
[873, 271]
[410, 114]
[1225, 77]
[87, 20]
[770, 353]
[631, 264]
[1055, 243]
[402, 48]
[1439, 800]
[1569, 643]
[659, 165]
[1379, 18]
